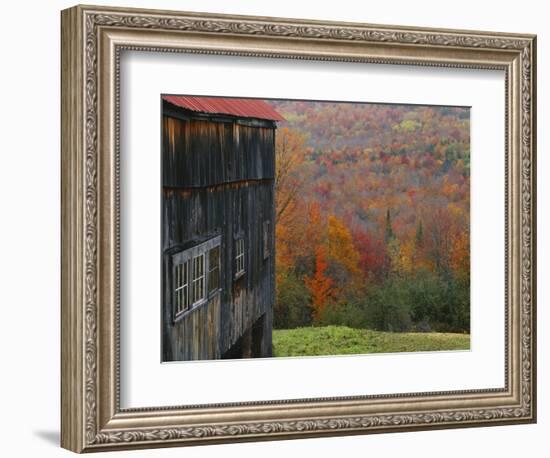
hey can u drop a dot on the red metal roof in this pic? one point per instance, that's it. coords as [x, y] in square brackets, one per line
[246, 108]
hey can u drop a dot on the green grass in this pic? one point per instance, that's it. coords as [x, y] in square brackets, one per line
[341, 340]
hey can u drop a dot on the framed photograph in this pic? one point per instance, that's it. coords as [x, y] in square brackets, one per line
[278, 228]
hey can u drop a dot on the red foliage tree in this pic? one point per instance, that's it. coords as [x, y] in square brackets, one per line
[371, 252]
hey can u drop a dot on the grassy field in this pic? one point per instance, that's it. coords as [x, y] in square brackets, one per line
[341, 340]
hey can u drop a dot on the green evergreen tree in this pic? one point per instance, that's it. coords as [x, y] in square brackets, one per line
[389, 235]
[419, 234]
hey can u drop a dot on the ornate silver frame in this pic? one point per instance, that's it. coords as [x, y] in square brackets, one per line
[92, 40]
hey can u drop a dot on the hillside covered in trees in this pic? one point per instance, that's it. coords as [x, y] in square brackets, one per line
[372, 216]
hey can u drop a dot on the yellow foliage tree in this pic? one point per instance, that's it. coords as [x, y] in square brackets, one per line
[340, 245]
[289, 156]
[405, 263]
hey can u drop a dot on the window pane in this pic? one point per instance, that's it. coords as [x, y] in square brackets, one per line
[198, 278]
[214, 269]
[214, 257]
[213, 280]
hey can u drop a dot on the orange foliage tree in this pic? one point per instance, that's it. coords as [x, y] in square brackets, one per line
[460, 253]
[319, 284]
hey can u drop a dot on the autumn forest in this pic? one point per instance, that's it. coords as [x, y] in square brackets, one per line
[372, 217]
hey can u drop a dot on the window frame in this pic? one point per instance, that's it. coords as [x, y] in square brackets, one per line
[240, 257]
[189, 256]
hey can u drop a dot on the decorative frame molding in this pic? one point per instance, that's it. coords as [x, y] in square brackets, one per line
[92, 40]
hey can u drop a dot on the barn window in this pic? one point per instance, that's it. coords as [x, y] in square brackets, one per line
[213, 269]
[182, 287]
[195, 274]
[239, 257]
[266, 239]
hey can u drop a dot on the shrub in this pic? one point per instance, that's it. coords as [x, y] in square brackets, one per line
[292, 301]
[389, 307]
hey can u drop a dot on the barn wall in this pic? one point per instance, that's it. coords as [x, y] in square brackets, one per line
[218, 179]
[199, 153]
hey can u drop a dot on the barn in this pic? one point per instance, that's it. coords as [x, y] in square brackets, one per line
[218, 263]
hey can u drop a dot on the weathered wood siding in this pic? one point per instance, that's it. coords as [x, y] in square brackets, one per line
[196, 336]
[218, 179]
[198, 153]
